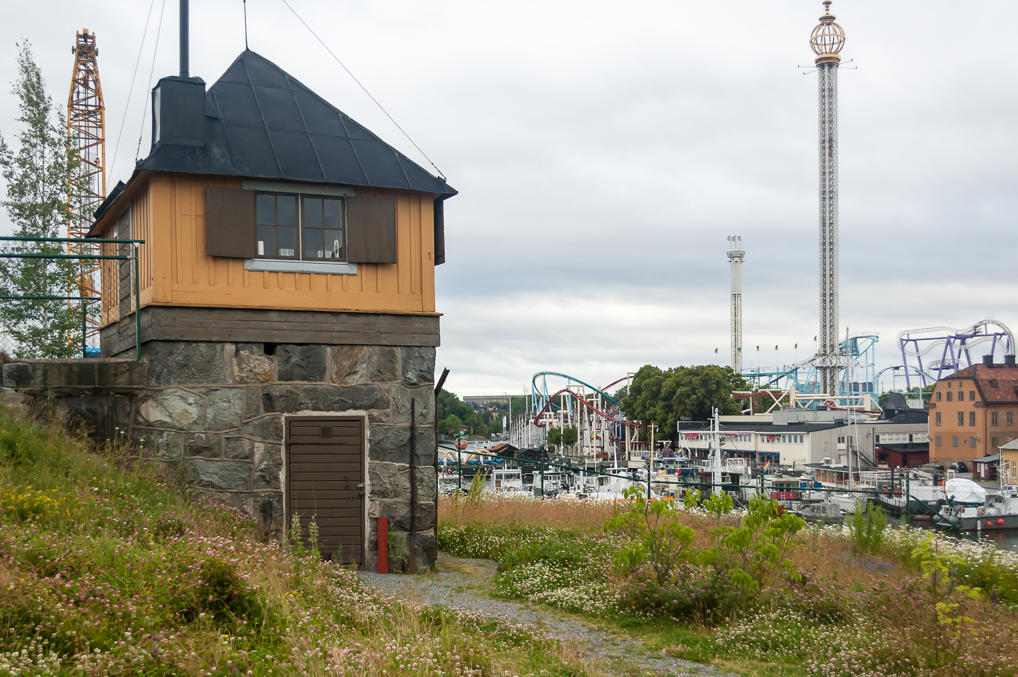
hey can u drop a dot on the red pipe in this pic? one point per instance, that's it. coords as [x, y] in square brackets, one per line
[383, 545]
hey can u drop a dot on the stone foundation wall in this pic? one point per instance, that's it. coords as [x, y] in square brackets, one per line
[216, 411]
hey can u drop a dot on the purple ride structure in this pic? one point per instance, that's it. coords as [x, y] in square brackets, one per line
[935, 352]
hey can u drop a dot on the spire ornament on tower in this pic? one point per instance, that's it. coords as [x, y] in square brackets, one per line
[828, 38]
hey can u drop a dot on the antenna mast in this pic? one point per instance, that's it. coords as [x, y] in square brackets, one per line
[86, 187]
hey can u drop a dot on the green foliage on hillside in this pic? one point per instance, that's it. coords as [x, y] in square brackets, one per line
[681, 393]
[106, 568]
[454, 413]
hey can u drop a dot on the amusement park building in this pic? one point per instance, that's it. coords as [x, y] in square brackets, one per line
[793, 443]
[974, 411]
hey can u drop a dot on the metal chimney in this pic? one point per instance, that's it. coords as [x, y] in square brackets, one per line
[183, 39]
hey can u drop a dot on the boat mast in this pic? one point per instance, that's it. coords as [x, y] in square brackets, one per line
[716, 443]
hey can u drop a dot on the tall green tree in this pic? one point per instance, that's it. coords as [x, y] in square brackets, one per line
[681, 393]
[36, 172]
[450, 425]
[562, 437]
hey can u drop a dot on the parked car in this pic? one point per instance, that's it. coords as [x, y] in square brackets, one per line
[959, 466]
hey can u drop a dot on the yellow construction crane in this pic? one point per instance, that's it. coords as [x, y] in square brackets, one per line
[86, 187]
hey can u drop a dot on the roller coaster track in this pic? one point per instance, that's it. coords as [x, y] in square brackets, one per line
[606, 396]
[919, 372]
[618, 381]
[953, 345]
[580, 399]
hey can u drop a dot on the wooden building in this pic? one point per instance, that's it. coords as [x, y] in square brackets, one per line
[287, 305]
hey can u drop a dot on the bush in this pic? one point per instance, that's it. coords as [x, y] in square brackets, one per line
[690, 593]
[867, 527]
[653, 536]
[218, 594]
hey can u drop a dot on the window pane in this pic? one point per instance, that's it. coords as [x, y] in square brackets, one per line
[312, 244]
[286, 210]
[287, 241]
[312, 216]
[266, 241]
[265, 208]
[333, 244]
[333, 210]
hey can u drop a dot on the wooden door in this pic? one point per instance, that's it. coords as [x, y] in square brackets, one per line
[325, 480]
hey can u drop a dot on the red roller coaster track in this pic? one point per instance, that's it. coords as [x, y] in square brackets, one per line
[584, 402]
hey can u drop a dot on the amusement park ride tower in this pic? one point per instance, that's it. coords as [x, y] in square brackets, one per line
[736, 255]
[827, 41]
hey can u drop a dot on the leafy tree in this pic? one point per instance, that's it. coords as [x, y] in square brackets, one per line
[36, 174]
[478, 422]
[450, 424]
[563, 437]
[666, 396]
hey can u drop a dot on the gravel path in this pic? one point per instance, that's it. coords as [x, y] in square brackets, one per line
[463, 584]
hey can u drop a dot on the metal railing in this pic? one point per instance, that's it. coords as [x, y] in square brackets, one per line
[131, 257]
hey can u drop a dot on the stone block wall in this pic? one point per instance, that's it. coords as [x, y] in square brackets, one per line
[219, 408]
[97, 395]
[216, 411]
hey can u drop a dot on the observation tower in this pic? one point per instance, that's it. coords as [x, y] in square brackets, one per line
[736, 255]
[827, 41]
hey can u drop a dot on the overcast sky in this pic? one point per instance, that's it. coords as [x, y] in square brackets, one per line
[604, 151]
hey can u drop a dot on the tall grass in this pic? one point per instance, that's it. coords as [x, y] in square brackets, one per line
[859, 600]
[108, 568]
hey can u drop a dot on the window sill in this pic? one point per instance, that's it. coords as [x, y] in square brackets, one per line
[322, 267]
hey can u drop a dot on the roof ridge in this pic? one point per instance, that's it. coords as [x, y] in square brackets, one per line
[261, 113]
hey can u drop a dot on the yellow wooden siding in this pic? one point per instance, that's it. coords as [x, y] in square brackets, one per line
[170, 215]
[141, 229]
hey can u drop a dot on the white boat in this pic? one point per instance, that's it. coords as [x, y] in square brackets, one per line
[971, 508]
[611, 484]
[448, 482]
[547, 483]
[505, 480]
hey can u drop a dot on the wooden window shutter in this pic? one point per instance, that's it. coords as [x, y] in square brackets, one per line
[439, 231]
[371, 229]
[229, 222]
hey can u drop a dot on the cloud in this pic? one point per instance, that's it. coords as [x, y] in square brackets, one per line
[603, 153]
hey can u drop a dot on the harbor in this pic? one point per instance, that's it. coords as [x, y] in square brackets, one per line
[711, 460]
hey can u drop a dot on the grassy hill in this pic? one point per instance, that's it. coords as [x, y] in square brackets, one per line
[108, 568]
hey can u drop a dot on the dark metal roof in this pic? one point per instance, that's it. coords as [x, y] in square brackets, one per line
[260, 122]
[908, 416]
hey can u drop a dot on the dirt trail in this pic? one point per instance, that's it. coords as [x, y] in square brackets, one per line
[464, 583]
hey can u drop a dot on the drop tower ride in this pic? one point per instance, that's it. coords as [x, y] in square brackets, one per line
[827, 41]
